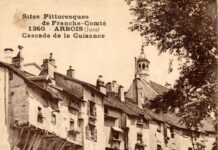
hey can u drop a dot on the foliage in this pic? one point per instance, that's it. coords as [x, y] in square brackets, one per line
[186, 29]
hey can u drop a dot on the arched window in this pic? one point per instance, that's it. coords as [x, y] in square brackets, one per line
[143, 66]
[139, 66]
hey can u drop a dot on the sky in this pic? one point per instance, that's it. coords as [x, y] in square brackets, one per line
[112, 57]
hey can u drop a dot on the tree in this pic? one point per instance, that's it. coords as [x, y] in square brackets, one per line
[187, 30]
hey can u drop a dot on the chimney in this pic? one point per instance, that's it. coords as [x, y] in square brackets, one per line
[70, 72]
[121, 93]
[108, 87]
[8, 52]
[48, 67]
[100, 84]
[18, 60]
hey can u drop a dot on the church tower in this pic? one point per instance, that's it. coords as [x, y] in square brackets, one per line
[142, 66]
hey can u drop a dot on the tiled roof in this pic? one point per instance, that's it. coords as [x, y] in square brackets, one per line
[150, 89]
[169, 118]
[29, 82]
[158, 88]
[86, 84]
[39, 78]
[127, 107]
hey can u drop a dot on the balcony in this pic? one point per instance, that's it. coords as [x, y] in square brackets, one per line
[75, 136]
[73, 131]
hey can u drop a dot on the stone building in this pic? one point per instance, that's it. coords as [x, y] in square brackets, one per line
[42, 109]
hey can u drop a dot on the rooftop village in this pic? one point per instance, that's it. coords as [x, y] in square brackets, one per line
[46, 110]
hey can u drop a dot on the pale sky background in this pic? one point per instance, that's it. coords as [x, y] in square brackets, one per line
[112, 57]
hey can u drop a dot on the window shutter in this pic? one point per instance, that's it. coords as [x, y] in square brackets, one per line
[95, 134]
[88, 108]
[95, 111]
[87, 132]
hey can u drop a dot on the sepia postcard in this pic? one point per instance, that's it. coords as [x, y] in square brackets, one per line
[107, 75]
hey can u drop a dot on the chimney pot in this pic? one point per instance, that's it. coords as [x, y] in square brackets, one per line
[8, 52]
[121, 93]
[51, 55]
[20, 47]
[70, 72]
[48, 67]
[100, 84]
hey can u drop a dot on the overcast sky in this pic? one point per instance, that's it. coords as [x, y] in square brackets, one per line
[112, 57]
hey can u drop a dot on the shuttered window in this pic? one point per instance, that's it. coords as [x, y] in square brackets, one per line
[91, 132]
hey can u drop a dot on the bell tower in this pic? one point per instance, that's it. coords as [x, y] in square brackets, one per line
[142, 66]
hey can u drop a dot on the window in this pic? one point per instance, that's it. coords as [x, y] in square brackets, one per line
[11, 75]
[146, 124]
[139, 66]
[140, 120]
[116, 135]
[71, 124]
[159, 147]
[143, 66]
[91, 109]
[40, 116]
[165, 134]
[139, 138]
[158, 127]
[172, 132]
[53, 118]
[105, 110]
[189, 148]
[91, 132]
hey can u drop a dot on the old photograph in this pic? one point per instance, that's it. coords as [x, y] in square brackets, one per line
[108, 75]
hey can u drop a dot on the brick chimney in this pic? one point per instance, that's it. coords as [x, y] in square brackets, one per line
[18, 60]
[70, 72]
[121, 93]
[48, 67]
[8, 52]
[100, 84]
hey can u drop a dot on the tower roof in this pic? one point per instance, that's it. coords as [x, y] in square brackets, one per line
[142, 56]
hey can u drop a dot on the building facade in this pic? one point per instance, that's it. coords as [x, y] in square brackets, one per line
[43, 109]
